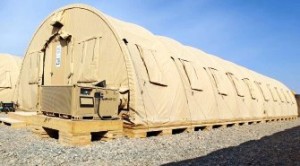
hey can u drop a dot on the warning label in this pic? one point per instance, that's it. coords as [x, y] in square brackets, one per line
[58, 56]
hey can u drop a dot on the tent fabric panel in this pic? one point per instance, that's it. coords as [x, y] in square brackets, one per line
[5, 82]
[250, 88]
[151, 62]
[279, 94]
[219, 81]
[237, 85]
[34, 67]
[9, 72]
[287, 99]
[186, 94]
[89, 62]
[273, 93]
[191, 73]
[262, 91]
[288, 93]
[284, 96]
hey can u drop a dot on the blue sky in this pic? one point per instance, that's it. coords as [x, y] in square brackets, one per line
[261, 35]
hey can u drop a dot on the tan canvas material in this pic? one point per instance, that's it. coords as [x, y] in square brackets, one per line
[164, 81]
[9, 72]
[298, 103]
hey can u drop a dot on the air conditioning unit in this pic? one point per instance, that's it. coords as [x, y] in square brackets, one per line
[78, 102]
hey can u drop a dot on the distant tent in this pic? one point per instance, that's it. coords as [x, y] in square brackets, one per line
[164, 82]
[9, 73]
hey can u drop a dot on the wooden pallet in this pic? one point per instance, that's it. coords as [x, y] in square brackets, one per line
[12, 122]
[27, 117]
[66, 116]
[140, 132]
[171, 130]
[277, 119]
[77, 132]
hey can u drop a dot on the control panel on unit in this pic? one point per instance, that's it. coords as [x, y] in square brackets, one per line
[101, 101]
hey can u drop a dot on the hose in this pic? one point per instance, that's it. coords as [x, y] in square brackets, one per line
[98, 106]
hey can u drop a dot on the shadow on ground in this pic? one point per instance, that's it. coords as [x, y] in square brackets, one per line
[282, 148]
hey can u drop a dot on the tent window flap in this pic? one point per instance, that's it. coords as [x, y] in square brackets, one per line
[291, 96]
[279, 94]
[237, 85]
[263, 91]
[191, 73]
[89, 60]
[285, 96]
[153, 68]
[273, 94]
[250, 87]
[6, 82]
[219, 81]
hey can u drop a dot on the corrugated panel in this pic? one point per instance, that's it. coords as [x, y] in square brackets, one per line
[57, 99]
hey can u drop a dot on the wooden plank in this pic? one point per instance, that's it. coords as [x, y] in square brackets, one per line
[78, 132]
[135, 133]
[27, 117]
[162, 131]
[109, 135]
[12, 122]
[80, 126]
[74, 139]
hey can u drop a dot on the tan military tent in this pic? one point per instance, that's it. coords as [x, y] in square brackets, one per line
[9, 73]
[165, 82]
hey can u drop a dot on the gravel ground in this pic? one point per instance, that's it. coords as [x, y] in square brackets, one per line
[276, 143]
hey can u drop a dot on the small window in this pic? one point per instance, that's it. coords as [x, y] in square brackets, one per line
[89, 51]
[250, 87]
[5, 82]
[150, 59]
[279, 94]
[273, 93]
[285, 96]
[266, 91]
[237, 85]
[219, 81]
[282, 95]
[291, 96]
[192, 75]
[263, 91]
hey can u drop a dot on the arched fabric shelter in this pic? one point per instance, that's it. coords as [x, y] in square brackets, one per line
[9, 72]
[164, 82]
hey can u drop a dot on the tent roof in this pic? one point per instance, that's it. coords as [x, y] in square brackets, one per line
[135, 32]
[9, 58]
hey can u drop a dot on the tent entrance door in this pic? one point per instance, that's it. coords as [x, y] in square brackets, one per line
[56, 62]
